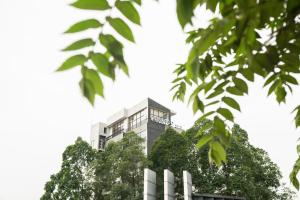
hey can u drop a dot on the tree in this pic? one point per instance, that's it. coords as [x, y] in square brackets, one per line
[169, 152]
[249, 172]
[72, 181]
[119, 169]
[116, 173]
[246, 38]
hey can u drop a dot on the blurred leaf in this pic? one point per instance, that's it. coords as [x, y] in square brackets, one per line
[88, 90]
[72, 62]
[225, 113]
[212, 103]
[280, 94]
[122, 28]
[241, 85]
[219, 153]
[235, 91]
[293, 174]
[196, 91]
[205, 116]
[129, 11]
[80, 44]
[214, 94]
[94, 78]
[248, 74]
[270, 79]
[139, 2]
[209, 85]
[91, 4]
[198, 105]
[112, 45]
[184, 11]
[219, 124]
[203, 141]
[273, 87]
[231, 102]
[84, 25]
[102, 64]
[288, 78]
[212, 5]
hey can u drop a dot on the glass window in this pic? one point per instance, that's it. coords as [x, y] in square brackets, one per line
[118, 128]
[137, 119]
[158, 115]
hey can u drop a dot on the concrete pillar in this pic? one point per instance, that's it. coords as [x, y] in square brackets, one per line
[187, 185]
[149, 185]
[168, 185]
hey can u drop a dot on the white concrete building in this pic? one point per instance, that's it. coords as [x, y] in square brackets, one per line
[148, 119]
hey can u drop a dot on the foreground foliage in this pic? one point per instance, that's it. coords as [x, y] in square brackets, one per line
[249, 172]
[245, 39]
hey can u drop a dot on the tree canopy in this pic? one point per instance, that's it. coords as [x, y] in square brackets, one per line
[71, 181]
[244, 39]
[116, 173]
[249, 172]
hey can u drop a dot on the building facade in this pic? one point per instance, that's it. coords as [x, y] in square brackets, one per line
[148, 119]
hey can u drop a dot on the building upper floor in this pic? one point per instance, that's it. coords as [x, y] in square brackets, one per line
[134, 119]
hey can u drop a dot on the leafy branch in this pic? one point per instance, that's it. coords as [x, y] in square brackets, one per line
[95, 63]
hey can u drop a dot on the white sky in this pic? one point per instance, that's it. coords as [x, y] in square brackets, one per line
[41, 112]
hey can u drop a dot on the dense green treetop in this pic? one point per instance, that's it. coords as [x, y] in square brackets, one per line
[119, 170]
[116, 173]
[72, 181]
[245, 39]
[249, 172]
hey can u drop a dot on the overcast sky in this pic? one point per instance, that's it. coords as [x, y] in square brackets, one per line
[41, 112]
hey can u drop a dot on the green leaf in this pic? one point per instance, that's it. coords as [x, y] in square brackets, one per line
[221, 85]
[72, 62]
[84, 25]
[294, 173]
[212, 103]
[198, 105]
[270, 79]
[203, 141]
[219, 151]
[184, 11]
[241, 85]
[234, 91]
[102, 64]
[88, 90]
[288, 78]
[115, 48]
[214, 94]
[129, 11]
[273, 86]
[219, 125]
[280, 94]
[80, 44]
[225, 113]
[298, 149]
[231, 102]
[297, 117]
[205, 116]
[94, 78]
[212, 5]
[248, 74]
[196, 91]
[122, 28]
[139, 2]
[209, 85]
[91, 4]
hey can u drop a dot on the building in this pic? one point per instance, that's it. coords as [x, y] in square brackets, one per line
[148, 119]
